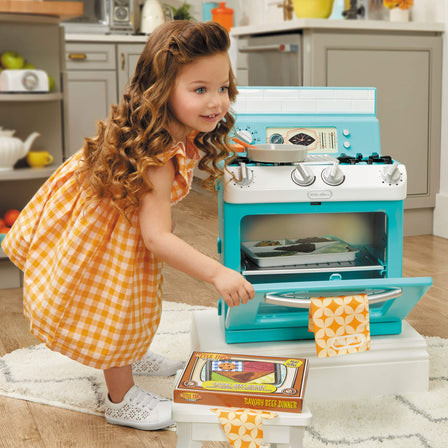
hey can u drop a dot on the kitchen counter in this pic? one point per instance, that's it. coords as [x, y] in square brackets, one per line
[292, 25]
[341, 25]
[106, 38]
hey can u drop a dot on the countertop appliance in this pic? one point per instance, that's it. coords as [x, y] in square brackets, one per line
[153, 15]
[24, 81]
[330, 225]
[106, 16]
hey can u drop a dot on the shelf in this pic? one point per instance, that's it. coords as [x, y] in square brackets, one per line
[27, 173]
[30, 97]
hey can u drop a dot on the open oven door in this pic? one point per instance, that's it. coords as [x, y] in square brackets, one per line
[280, 311]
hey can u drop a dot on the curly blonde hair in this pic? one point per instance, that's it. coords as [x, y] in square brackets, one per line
[115, 161]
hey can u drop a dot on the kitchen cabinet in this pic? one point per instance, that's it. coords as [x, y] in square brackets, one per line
[403, 63]
[40, 40]
[128, 55]
[96, 76]
[91, 90]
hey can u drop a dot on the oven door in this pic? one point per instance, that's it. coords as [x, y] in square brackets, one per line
[280, 311]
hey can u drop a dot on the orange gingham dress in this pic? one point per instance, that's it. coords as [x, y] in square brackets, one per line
[92, 291]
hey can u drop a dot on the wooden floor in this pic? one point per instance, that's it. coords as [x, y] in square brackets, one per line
[24, 424]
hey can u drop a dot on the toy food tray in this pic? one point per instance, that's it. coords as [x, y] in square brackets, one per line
[302, 251]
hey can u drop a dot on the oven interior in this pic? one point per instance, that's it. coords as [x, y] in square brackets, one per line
[365, 233]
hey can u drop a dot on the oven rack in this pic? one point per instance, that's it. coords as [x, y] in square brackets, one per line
[363, 262]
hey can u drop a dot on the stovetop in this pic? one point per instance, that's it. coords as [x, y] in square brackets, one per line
[374, 158]
[344, 159]
[322, 178]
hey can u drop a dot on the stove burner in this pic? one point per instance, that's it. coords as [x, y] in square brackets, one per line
[374, 158]
[350, 160]
[241, 159]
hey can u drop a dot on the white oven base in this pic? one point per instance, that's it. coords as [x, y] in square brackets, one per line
[395, 364]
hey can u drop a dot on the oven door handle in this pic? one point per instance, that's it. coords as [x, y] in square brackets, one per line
[281, 48]
[295, 301]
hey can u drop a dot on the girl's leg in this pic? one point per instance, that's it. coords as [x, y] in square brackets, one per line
[118, 381]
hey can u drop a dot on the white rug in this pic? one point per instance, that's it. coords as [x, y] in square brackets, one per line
[403, 421]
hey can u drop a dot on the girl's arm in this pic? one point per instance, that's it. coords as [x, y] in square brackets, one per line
[156, 225]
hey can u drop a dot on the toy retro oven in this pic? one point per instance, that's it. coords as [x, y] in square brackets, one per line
[330, 224]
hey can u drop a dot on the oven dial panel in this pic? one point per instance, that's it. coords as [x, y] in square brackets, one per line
[307, 182]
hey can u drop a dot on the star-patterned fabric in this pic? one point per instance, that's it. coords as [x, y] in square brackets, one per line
[243, 427]
[340, 324]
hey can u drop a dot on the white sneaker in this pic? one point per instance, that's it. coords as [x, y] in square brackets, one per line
[154, 364]
[140, 409]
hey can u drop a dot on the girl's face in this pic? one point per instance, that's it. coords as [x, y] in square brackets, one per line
[200, 97]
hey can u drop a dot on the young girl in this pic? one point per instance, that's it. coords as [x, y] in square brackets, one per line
[93, 239]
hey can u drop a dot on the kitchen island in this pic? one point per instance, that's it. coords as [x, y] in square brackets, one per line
[402, 60]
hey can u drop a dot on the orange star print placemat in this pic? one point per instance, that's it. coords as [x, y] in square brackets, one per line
[340, 324]
[243, 427]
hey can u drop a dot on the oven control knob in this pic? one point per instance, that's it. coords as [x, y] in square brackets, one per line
[302, 176]
[391, 173]
[245, 176]
[333, 175]
[245, 135]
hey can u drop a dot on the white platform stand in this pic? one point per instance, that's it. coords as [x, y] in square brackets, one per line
[394, 365]
[197, 423]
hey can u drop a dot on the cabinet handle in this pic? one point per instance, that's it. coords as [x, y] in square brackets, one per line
[295, 301]
[77, 56]
[282, 48]
[122, 61]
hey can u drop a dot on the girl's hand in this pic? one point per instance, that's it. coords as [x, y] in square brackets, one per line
[232, 286]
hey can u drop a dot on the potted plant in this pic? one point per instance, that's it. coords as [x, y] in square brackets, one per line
[182, 13]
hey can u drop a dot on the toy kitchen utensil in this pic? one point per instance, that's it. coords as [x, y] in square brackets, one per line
[12, 148]
[39, 159]
[276, 153]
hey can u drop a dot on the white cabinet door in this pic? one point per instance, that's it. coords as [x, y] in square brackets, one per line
[90, 95]
[127, 58]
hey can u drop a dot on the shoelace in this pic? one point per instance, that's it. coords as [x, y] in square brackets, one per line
[153, 357]
[147, 399]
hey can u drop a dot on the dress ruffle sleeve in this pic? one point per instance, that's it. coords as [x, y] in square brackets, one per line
[185, 159]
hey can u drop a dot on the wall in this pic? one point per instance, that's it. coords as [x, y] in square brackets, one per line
[441, 210]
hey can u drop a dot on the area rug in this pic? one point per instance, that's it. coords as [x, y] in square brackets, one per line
[40, 375]
[417, 420]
